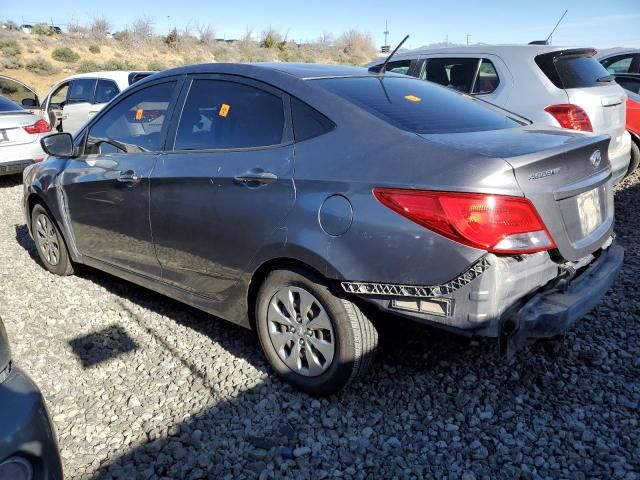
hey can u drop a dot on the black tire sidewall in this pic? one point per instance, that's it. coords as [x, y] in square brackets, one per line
[64, 264]
[339, 372]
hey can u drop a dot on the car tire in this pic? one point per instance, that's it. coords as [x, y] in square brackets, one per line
[635, 157]
[50, 244]
[338, 341]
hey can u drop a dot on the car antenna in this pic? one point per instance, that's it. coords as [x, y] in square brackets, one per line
[547, 41]
[384, 65]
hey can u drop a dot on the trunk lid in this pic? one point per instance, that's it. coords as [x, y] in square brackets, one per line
[554, 169]
[12, 131]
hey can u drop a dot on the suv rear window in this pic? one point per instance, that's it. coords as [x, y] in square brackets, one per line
[417, 106]
[572, 70]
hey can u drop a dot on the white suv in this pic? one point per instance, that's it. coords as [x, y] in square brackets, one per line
[74, 100]
[558, 86]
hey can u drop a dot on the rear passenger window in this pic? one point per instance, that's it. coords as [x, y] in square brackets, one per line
[134, 124]
[220, 114]
[457, 73]
[81, 90]
[307, 121]
[487, 80]
[106, 90]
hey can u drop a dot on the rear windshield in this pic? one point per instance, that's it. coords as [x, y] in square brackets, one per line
[7, 105]
[417, 106]
[579, 70]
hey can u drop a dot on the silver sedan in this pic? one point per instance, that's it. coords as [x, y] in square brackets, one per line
[20, 133]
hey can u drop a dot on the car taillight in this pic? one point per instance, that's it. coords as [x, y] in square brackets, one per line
[40, 126]
[570, 116]
[496, 223]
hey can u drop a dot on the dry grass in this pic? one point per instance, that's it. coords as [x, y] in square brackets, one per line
[137, 48]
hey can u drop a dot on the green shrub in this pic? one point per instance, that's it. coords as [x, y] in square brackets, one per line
[10, 63]
[87, 66]
[65, 54]
[115, 64]
[43, 29]
[40, 66]
[94, 49]
[156, 66]
[10, 48]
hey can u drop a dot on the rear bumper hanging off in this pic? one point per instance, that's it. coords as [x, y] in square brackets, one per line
[551, 312]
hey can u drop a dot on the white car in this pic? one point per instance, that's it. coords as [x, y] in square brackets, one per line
[20, 129]
[549, 85]
[74, 100]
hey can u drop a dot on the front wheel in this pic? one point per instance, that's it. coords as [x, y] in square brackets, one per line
[49, 242]
[316, 341]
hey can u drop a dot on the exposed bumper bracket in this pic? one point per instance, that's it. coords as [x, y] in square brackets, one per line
[552, 312]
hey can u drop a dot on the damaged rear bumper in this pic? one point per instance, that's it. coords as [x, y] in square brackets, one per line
[513, 298]
[552, 311]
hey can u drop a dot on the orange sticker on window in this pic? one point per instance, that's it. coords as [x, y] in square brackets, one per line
[139, 113]
[413, 98]
[224, 110]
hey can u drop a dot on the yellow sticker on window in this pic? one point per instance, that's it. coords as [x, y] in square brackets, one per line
[224, 110]
[413, 98]
[139, 113]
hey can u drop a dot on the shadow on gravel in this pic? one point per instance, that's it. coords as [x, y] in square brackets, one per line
[25, 241]
[9, 181]
[101, 346]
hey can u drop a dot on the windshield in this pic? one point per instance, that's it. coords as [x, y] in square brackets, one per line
[417, 106]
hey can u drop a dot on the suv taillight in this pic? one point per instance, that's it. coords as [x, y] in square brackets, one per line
[39, 127]
[496, 223]
[570, 116]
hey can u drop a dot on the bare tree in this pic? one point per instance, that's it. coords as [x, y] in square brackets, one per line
[99, 27]
[142, 30]
[206, 34]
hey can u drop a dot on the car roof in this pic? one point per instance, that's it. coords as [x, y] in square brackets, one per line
[117, 75]
[500, 50]
[612, 52]
[302, 71]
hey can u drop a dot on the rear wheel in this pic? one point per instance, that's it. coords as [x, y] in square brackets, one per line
[316, 341]
[49, 242]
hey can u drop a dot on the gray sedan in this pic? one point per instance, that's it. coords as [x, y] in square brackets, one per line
[298, 200]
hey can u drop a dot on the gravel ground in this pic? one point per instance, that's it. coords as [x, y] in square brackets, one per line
[140, 386]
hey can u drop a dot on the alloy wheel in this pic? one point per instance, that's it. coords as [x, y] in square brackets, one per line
[47, 238]
[300, 331]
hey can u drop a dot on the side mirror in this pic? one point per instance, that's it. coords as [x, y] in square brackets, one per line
[58, 145]
[29, 102]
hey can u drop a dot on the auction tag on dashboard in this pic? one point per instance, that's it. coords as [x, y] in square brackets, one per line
[139, 113]
[224, 110]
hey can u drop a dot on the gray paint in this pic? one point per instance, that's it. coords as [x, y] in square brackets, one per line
[190, 231]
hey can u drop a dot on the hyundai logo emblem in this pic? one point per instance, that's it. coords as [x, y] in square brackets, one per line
[595, 158]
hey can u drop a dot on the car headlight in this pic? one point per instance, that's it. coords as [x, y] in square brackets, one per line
[16, 468]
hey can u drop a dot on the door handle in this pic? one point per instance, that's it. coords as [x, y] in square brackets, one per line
[129, 177]
[256, 177]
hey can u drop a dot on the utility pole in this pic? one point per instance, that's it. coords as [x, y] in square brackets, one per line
[386, 48]
[468, 35]
[386, 32]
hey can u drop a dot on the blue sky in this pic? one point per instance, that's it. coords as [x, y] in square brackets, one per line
[588, 22]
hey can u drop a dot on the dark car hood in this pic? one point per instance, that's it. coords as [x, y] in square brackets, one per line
[511, 142]
[5, 351]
